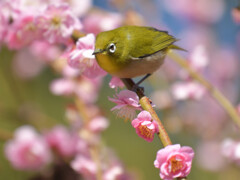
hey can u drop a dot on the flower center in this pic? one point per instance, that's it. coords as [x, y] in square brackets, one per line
[56, 21]
[145, 131]
[176, 164]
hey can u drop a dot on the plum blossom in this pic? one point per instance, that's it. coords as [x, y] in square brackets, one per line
[23, 31]
[62, 141]
[57, 23]
[114, 172]
[62, 86]
[199, 58]
[82, 58]
[187, 90]
[145, 126]
[231, 150]
[28, 150]
[82, 55]
[127, 104]
[174, 161]
[98, 124]
[80, 8]
[116, 82]
[85, 166]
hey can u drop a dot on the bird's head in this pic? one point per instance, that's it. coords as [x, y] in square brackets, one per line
[109, 43]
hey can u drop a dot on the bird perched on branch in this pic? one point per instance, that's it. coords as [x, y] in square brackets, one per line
[132, 51]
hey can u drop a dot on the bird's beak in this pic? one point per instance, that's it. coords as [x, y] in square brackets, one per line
[96, 51]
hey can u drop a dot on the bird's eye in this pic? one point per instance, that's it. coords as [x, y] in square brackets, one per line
[112, 48]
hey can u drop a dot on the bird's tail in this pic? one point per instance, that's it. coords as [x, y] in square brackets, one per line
[176, 47]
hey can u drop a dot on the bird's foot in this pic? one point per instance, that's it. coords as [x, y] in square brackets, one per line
[137, 88]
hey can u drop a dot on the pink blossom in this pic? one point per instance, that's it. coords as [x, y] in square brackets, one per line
[186, 90]
[227, 148]
[10, 10]
[236, 15]
[23, 31]
[145, 126]
[62, 86]
[114, 172]
[85, 166]
[127, 104]
[69, 72]
[199, 58]
[81, 57]
[231, 150]
[94, 71]
[98, 124]
[28, 150]
[116, 82]
[98, 22]
[80, 8]
[57, 23]
[29, 6]
[174, 161]
[62, 141]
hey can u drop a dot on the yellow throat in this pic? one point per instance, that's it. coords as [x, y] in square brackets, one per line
[108, 63]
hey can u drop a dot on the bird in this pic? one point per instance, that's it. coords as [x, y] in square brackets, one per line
[132, 51]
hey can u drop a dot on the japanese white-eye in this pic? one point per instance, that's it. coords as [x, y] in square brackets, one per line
[132, 51]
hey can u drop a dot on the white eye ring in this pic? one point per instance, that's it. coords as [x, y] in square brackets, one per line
[112, 48]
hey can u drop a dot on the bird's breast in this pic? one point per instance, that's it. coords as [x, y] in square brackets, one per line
[108, 63]
[142, 66]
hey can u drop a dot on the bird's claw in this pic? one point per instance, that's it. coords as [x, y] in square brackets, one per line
[137, 88]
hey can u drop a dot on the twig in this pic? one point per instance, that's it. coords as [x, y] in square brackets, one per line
[218, 96]
[146, 105]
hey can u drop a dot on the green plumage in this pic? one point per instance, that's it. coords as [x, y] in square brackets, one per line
[131, 51]
[138, 41]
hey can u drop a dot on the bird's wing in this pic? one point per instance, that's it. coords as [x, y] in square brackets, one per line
[150, 41]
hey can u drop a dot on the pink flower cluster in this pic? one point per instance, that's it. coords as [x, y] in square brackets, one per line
[29, 150]
[53, 23]
[45, 28]
[127, 104]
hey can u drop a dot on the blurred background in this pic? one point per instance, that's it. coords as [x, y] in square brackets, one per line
[208, 30]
